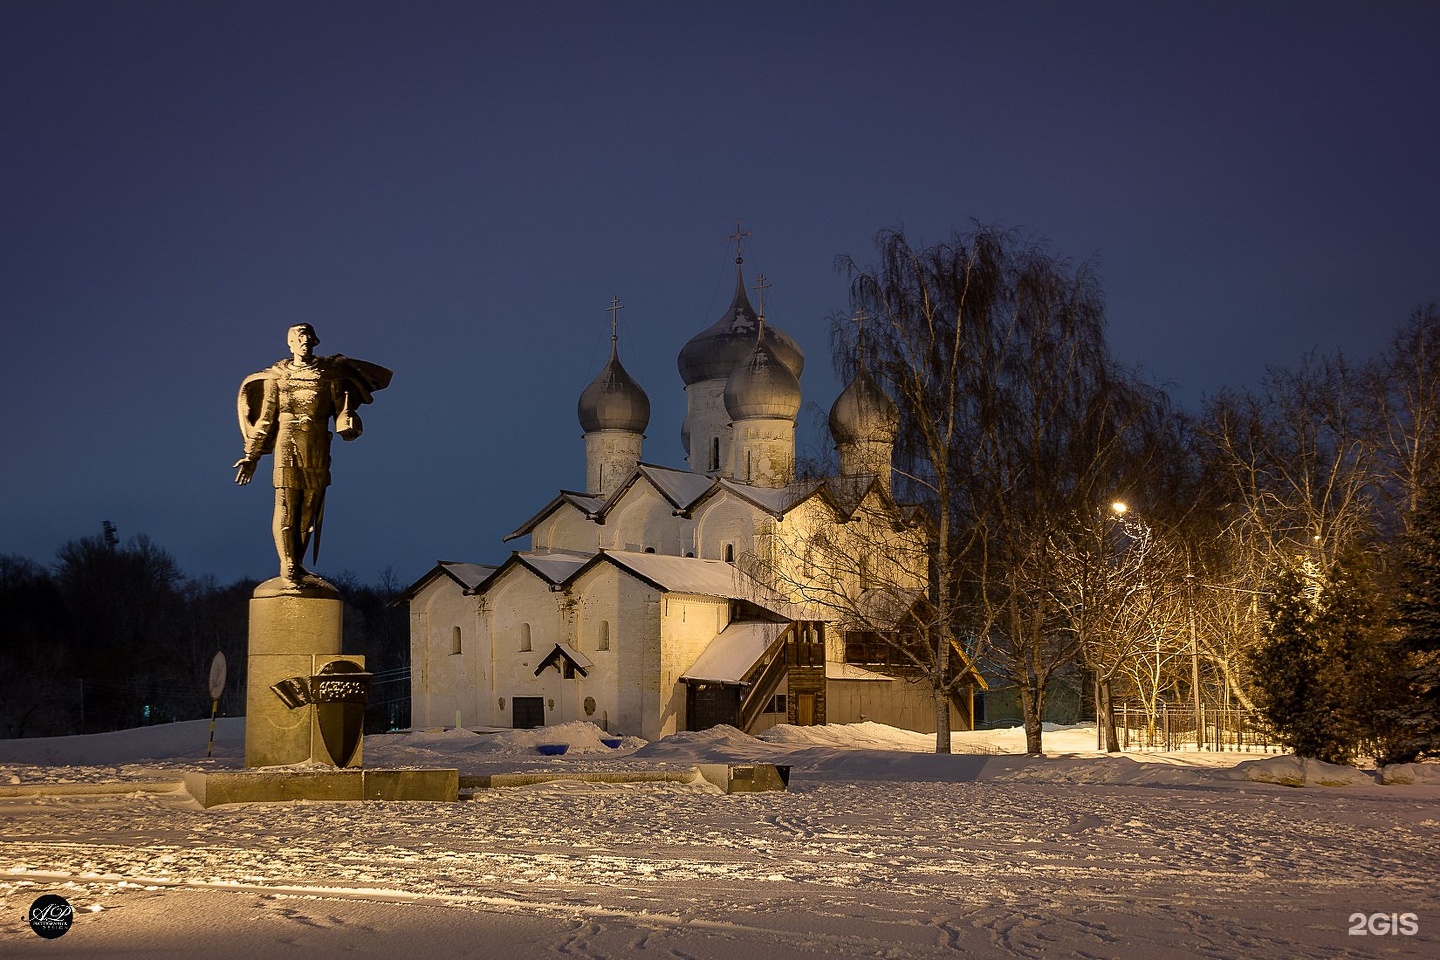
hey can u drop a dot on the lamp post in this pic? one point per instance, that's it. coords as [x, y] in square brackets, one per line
[1104, 706]
[1194, 653]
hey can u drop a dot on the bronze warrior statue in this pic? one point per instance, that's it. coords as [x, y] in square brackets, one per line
[286, 410]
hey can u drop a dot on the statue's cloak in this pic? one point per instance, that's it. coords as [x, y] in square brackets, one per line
[359, 380]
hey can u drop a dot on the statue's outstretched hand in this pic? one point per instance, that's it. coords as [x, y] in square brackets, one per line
[244, 470]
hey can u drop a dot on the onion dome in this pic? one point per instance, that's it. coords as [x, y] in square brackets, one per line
[762, 386]
[863, 412]
[685, 434]
[718, 349]
[613, 400]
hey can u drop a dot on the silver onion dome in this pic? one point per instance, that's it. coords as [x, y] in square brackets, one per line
[715, 351]
[863, 412]
[614, 401]
[762, 385]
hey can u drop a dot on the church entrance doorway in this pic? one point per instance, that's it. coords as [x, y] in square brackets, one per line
[527, 712]
[711, 704]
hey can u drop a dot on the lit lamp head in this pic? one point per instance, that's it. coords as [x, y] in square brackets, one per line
[1119, 507]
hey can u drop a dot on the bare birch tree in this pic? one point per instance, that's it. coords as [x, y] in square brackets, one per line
[1014, 419]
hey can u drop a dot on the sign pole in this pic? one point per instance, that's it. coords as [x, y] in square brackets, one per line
[217, 687]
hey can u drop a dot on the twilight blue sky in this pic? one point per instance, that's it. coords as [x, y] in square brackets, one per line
[456, 190]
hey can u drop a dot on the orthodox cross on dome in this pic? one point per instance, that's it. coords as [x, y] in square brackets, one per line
[760, 287]
[860, 333]
[615, 307]
[739, 236]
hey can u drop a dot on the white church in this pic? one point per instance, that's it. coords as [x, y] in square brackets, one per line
[660, 600]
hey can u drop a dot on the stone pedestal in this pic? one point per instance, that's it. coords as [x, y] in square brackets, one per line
[292, 634]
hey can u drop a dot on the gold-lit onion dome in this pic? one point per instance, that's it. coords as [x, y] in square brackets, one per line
[715, 351]
[863, 412]
[614, 401]
[762, 386]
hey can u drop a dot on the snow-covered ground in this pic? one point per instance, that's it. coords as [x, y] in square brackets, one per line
[879, 848]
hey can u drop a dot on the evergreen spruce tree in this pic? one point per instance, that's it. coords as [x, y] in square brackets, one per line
[1357, 679]
[1417, 718]
[1286, 664]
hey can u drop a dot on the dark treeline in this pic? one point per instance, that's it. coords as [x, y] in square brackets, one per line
[114, 635]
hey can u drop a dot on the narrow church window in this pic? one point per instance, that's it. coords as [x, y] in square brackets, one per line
[715, 453]
[602, 642]
[729, 553]
[524, 637]
[455, 640]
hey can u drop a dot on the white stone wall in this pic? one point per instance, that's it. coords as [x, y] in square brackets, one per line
[520, 599]
[726, 519]
[618, 681]
[565, 530]
[687, 625]
[644, 520]
[709, 422]
[763, 451]
[443, 682]
[610, 457]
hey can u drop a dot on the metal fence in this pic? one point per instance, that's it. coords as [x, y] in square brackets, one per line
[1178, 728]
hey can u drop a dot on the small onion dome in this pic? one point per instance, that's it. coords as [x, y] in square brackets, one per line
[614, 401]
[718, 349]
[762, 386]
[863, 412]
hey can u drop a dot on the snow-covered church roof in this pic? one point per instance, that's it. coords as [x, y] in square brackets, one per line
[690, 575]
[467, 575]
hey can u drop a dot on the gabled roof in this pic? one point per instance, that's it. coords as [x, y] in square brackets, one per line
[557, 568]
[685, 491]
[729, 657]
[588, 504]
[563, 651]
[553, 568]
[467, 575]
[706, 578]
[681, 487]
[776, 501]
[848, 493]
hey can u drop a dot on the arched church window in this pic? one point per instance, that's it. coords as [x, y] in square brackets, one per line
[455, 640]
[715, 453]
[524, 637]
[729, 553]
[602, 640]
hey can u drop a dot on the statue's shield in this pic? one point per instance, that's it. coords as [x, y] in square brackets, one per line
[341, 690]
